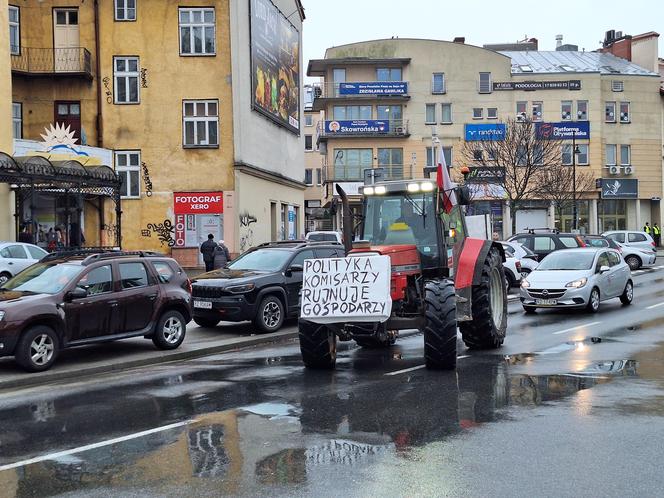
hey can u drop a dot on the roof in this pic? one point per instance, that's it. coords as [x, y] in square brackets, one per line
[565, 62]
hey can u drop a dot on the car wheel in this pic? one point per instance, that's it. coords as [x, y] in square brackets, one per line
[170, 330]
[206, 322]
[634, 262]
[594, 300]
[270, 314]
[628, 293]
[4, 277]
[37, 349]
[530, 310]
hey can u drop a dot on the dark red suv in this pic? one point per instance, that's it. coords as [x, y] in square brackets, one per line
[77, 298]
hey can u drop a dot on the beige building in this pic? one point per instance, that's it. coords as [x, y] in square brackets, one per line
[389, 104]
[316, 216]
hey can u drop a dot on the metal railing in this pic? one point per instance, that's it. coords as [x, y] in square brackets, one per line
[346, 173]
[363, 128]
[362, 89]
[74, 60]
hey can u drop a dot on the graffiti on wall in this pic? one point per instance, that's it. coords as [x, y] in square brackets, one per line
[247, 219]
[108, 93]
[164, 231]
[146, 179]
[246, 232]
[144, 78]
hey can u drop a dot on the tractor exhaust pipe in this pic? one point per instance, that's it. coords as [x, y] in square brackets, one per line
[347, 219]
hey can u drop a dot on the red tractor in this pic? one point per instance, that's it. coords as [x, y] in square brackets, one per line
[440, 278]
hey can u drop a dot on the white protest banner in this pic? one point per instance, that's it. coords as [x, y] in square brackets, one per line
[354, 289]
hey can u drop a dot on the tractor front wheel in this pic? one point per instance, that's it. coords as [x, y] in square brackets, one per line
[440, 328]
[318, 345]
[489, 307]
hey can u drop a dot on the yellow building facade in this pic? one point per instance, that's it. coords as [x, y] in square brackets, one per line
[6, 227]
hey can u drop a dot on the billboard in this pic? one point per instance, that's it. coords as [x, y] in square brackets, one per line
[478, 132]
[357, 127]
[275, 65]
[530, 86]
[374, 88]
[563, 131]
[621, 188]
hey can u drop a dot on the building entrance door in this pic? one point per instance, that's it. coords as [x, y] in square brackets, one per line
[68, 113]
[66, 41]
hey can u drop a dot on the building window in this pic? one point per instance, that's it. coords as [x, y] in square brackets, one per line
[610, 112]
[197, 32]
[201, 123]
[492, 113]
[610, 151]
[349, 164]
[538, 154]
[430, 117]
[446, 117]
[432, 156]
[477, 155]
[17, 120]
[617, 86]
[351, 112]
[567, 155]
[438, 83]
[125, 10]
[14, 30]
[128, 168]
[308, 176]
[624, 112]
[388, 74]
[521, 110]
[582, 156]
[478, 113]
[625, 155]
[485, 83]
[390, 112]
[582, 110]
[319, 176]
[566, 110]
[537, 111]
[521, 156]
[126, 74]
[308, 142]
[308, 120]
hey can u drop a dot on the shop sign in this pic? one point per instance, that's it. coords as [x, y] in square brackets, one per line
[485, 174]
[619, 188]
[531, 86]
[357, 127]
[579, 130]
[374, 88]
[198, 202]
[478, 132]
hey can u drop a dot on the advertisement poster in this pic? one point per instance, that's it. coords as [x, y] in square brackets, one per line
[563, 131]
[479, 132]
[374, 88]
[275, 65]
[357, 126]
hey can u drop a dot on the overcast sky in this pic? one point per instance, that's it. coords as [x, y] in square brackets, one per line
[581, 22]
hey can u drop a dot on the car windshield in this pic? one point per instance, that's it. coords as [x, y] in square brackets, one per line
[43, 278]
[262, 260]
[322, 237]
[567, 261]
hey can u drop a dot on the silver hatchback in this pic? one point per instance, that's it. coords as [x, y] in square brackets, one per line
[577, 278]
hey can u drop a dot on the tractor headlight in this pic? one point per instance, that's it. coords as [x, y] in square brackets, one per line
[413, 187]
[525, 284]
[380, 189]
[577, 284]
[427, 187]
[368, 191]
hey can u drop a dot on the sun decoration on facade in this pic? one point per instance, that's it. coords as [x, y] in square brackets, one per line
[59, 137]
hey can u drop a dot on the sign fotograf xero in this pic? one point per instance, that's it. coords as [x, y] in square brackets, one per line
[531, 86]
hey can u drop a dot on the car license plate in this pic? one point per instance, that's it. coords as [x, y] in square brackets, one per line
[203, 304]
[546, 302]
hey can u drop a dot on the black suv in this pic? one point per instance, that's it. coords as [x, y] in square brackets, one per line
[262, 285]
[545, 241]
[79, 297]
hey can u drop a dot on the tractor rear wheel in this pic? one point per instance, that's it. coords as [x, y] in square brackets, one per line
[440, 328]
[318, 345]
[489, 307]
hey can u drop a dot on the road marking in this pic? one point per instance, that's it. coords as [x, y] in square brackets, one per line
[654, 306]
[574, 329]
[81, 449]
[419, 367]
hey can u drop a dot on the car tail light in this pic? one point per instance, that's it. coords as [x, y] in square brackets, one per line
[518, 266]
[653, 244]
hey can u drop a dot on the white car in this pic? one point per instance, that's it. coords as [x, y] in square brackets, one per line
[512, 271]
[323, 236]
[527, 258]
[633, 238]
[16, 257]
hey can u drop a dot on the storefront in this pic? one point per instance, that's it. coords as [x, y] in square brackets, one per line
[612, 209]
[565, 217]
[197, 214]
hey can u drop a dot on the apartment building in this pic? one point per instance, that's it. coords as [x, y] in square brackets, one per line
[195, 107]
[389, 104]
[6, 232]
[316, 216]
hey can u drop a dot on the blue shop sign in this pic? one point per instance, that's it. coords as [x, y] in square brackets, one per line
[477, 132]
[565, 130]
[357, 127]
[374, 88]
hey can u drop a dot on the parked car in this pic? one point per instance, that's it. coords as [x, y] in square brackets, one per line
[635, 257]
[512, 268]
[544, 243]
[16, 257]
[577, 278]
[78, 298]
[636, 240]
[262, 285]
[527, 258]
[324, 236]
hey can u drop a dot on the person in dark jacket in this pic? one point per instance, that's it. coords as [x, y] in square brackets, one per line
[221, 255]
[207, 250]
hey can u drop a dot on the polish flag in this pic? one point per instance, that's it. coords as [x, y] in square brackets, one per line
[445, 183]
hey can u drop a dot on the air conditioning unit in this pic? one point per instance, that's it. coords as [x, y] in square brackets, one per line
[614, 170]
[628, 170]
[521, 116]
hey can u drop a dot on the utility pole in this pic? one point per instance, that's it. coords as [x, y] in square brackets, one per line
[575, 223]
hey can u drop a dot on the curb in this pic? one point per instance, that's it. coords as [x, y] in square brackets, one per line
[39, 379]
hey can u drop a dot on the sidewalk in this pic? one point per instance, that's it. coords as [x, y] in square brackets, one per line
[84, 361]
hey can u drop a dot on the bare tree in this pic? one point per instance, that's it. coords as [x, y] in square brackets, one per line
[522, 154]
[558, 182]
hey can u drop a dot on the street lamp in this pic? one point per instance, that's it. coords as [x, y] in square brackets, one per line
[575, 151]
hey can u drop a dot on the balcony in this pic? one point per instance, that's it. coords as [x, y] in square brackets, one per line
[75, 61]
[345, 173]
[359, 91]
[363, 128]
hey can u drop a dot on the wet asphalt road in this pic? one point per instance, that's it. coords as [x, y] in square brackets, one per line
[573, 404]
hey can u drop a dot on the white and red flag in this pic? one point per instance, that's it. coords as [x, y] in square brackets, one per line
[445, 183]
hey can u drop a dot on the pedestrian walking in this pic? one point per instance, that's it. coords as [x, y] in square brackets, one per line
[647, 228]
[207, 250]
[656, 233]
[221, 255]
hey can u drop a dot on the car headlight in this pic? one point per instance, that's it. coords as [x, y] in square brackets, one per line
[2, 315]
[525, 284]
[577, 284]
[240, 289]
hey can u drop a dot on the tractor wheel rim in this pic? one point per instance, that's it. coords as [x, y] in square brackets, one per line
[271, 314]
[42, 348]
[172, 330]
[496, 297]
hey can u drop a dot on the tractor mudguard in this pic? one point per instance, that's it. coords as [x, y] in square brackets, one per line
[468, 265]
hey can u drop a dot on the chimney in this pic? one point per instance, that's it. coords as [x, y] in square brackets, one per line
[459, 39]
[559, 41]
[535, 42]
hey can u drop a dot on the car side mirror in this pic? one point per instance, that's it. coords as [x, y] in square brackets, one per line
[77, 293]
[603, 269]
